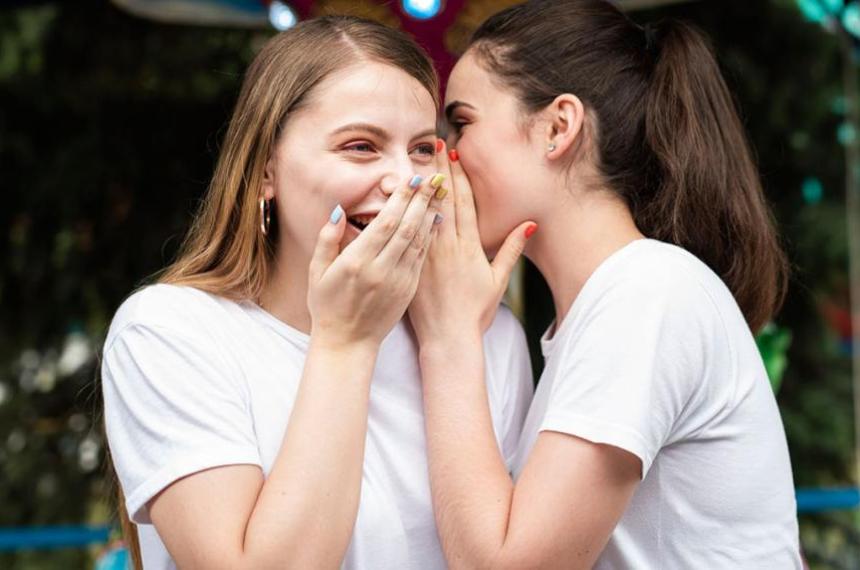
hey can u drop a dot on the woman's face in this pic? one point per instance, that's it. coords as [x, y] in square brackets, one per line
[363, 131]
[500, 154]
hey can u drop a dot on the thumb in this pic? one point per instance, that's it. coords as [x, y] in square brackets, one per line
[505, 260]
[328, 243]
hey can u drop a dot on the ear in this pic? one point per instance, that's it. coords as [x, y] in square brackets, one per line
[268, 190]
[565, 130]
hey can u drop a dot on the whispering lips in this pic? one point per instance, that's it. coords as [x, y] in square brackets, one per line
[360, 221]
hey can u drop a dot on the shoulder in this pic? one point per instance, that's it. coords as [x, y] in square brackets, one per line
[654, 276]
[182, 310]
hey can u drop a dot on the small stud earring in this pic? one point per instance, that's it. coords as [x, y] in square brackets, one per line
[551, 147]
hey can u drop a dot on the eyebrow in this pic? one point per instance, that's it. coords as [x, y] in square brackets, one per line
[449, 110]
[376, 131]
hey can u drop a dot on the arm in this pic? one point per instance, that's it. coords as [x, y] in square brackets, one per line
[565, 504]
[571, 493]
[304, 512]
[230, 517]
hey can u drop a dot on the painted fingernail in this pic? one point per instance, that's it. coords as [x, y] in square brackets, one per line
[438, 219]
[336, 215]
[453, 156]
[415, 182]
[441, 193]
[437, 181]
[439, 145]
[530, 231]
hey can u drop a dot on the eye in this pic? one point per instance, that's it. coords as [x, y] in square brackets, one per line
[426, 149]
[360, 147]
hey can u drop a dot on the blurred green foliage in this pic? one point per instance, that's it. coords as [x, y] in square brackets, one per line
[109, 127]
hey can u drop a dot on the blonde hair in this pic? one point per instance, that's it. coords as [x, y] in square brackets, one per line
[225, 252]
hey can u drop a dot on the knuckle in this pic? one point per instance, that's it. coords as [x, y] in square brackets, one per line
[373, 282]
[408, 230]
[387, 225]
[352, 268]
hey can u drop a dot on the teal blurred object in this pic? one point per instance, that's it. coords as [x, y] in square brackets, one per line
[116, 558]
[773, 343]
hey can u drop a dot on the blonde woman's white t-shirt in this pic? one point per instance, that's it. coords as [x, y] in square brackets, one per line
[655, 357]
[193, 381]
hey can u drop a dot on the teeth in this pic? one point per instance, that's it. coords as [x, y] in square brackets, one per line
[364, 219]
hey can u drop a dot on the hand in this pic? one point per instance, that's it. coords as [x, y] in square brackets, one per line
[460, 289]
[359, 294]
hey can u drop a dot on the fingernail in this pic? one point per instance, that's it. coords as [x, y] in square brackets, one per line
[439, 145]
[336, 215]
[530, 231]
[437, 181]
[438, 219]
[441, 193]
[415, 182]
[453, 156]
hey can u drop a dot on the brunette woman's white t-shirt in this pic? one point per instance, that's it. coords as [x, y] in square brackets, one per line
[193, 381]
[655, 357]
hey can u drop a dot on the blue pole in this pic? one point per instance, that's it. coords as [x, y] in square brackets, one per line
[49, 537]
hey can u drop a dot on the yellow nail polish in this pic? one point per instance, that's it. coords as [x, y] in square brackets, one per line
[441, 193]
[437, 180]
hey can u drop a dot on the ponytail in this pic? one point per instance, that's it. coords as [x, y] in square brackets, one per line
[708, 197]
[669, 140]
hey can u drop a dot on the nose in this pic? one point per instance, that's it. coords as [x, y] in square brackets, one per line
[399, 171]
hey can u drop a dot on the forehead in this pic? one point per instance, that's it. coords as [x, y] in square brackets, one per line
[470, 82]
[372, 91]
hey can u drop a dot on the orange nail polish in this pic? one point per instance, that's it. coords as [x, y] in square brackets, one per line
[530, 231]
[453, 156]
[439, 145]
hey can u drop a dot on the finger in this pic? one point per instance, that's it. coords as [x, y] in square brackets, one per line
[464, 202]
[446, 206]
[419, 246]
[411, 223]
[328, 243]
[508, 255]
[376, 235]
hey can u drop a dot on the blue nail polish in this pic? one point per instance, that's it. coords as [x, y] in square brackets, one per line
[438, 219]
[336, 215]
[415, 182]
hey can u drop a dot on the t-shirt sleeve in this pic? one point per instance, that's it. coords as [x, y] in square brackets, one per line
[518, 391]
[173, 407]
[635, 361]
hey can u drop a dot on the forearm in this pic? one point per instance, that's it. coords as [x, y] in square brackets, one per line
[307, 507]
[472, 490]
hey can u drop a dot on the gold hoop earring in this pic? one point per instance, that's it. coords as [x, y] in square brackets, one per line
[265, 215]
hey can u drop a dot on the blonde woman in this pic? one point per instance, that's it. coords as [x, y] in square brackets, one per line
[263, 400]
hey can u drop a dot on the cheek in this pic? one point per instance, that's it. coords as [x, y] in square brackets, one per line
[307, 197]
[491, 170]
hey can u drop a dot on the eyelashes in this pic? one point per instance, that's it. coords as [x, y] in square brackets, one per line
[365, 148]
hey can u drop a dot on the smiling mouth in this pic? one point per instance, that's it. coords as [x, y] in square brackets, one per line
[361, 221]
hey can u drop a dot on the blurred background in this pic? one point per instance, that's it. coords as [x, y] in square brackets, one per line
[111, 115]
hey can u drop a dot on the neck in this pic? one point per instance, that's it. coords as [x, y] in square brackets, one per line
[285, 296]
[576, 238]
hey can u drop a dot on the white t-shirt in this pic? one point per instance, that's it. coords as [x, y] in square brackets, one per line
[654, 357]
[193, 381]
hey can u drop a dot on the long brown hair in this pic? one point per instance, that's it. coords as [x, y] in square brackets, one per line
[225, 252]
[669, 139]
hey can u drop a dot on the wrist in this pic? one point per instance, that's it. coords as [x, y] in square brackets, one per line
[344, 347]
[446, 346]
